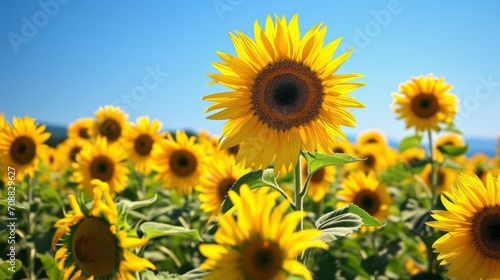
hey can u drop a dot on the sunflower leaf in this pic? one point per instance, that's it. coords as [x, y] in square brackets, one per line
[317, 161]
[368, 220]
[51, 196]
[450, 164]
[409, 142]
[8, 268]
[453, 151]
[452, 128]
[339, 226]
[50, 266]
[154, 230]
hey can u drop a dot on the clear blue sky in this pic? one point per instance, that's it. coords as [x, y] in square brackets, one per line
[61, 61]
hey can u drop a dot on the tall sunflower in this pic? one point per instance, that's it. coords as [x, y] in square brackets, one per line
[180, 162]
[425, 102]
[81, 128]
[139, 139]
[320, 182]
[471, 247]
[101, 161]
[22, 145]
[260, 243]
[94, 244]
[368, 193]
[110, 123]
[285, 94]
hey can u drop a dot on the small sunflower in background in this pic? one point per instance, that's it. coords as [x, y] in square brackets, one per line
[425, 102]
[110, 122]
[70, 148]
[50, 158]
[180, 162]
[412, 156]
[81, 128]
[371, 136]
[221, 174]
[445, 178]
[367, 192]
[139, 139]
[94, 244]
[343, 147]
[377, 158]
[449, 139]
[210, 142]
[481, 165]
[260, 242]
[471, 246]
[22, 145]
[285, 94]
[320, 182]
[102, 161]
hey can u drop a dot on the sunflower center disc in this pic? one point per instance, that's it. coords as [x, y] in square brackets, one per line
[143, 144]
[486, 231]
[338, 150]
[74, 151]
[111, 129]
[318, 176]
[23, 150]
[83, 133]
[224, 187]
[262, 259]
[102, 168]
[286, 94]
[95, 247]
[183, 163]
[368, 201]
[370, 161]
[425, 105]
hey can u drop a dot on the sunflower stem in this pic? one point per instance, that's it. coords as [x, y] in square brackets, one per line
[31, 216]
[298, 195]
[433, 171]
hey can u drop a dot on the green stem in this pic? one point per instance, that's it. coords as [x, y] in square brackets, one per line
[433, 171]
[31, 219]
[298, 198]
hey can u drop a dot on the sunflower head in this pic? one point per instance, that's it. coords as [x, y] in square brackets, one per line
[110, 123]
[449, 139]
[445, 178]
[412, 156]
[81, 128]
[320, 182]
[425, 102]
[372, 136]
[285, 94]
[260, 242]
[376, 157]
[471, 246]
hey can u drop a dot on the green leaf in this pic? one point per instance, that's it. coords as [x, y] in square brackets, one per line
[453, 151]
[317, 161]
[8, 268]
[127, 205]
[50, 196]
[162, 275]
[375, 265]
[452, 128]
[339, 226]
[396, 173]
[50, 266]
[154, 230]
[409, 142]
[4, 201]
[368, 220]
[414, 216]
[196, 273]
[450, 164]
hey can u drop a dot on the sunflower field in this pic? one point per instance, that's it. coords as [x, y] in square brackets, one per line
[281, 194]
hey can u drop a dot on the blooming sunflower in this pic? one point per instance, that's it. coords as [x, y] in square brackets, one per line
[285, 94]
[95, 245]
[221, 174]
[21, 145]
[412, 155]
[471, 247]
[449, 139]
[377, 157]
[371, 136]
[81, 128]
[425, 102]
[180, 163]
[70, 148]
[139, 140]
[101, 161]
[110, 123]
[445, 178]
[320, 181]
[260, 243]
[368, 193]
[343, 147]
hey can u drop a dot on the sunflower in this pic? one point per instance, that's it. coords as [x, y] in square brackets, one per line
[95, 245]
[412, 156]
[481, 165]
[368, 193]
[377, 157]
[260, 243]
[210, 142]
[110, 123]
[221, 174]
[285, 94]
[371, 136]
[320, 181]
[81, 128]
[21, 145]
[343, 147]
[471, 247]
[50, 158]
[70, 148]
[180, 163]
[139, 140]
[449, 139]
[425, 102]
[445, 178]
[101, 161]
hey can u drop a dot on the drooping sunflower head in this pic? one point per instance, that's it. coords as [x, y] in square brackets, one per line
[110, 122]
[471, 247]
[285, 94]
[139, 139]
[94, 245]
[320, 182]
[81, 128]
[180, 162]
[372, 136]
[260, 242]
[425, 102]
[101, 161]
[22, 145]
[367, 192]
[445, 178]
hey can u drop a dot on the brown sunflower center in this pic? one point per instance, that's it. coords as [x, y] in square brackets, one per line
[74, 152]
[111, 129]
[224, 187]
[23, 150]
[83, 133]
[370, 161]
[425, 105]
[371, 140]
[440, 175]
[143, 144]
[286, 94]
[486, 232]
[318, 176]
[262, 259]
[95, 247]
[368, 201]
[102, 168]
[233, 150]
[51, 159]
[339, 150]
[183, 163]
